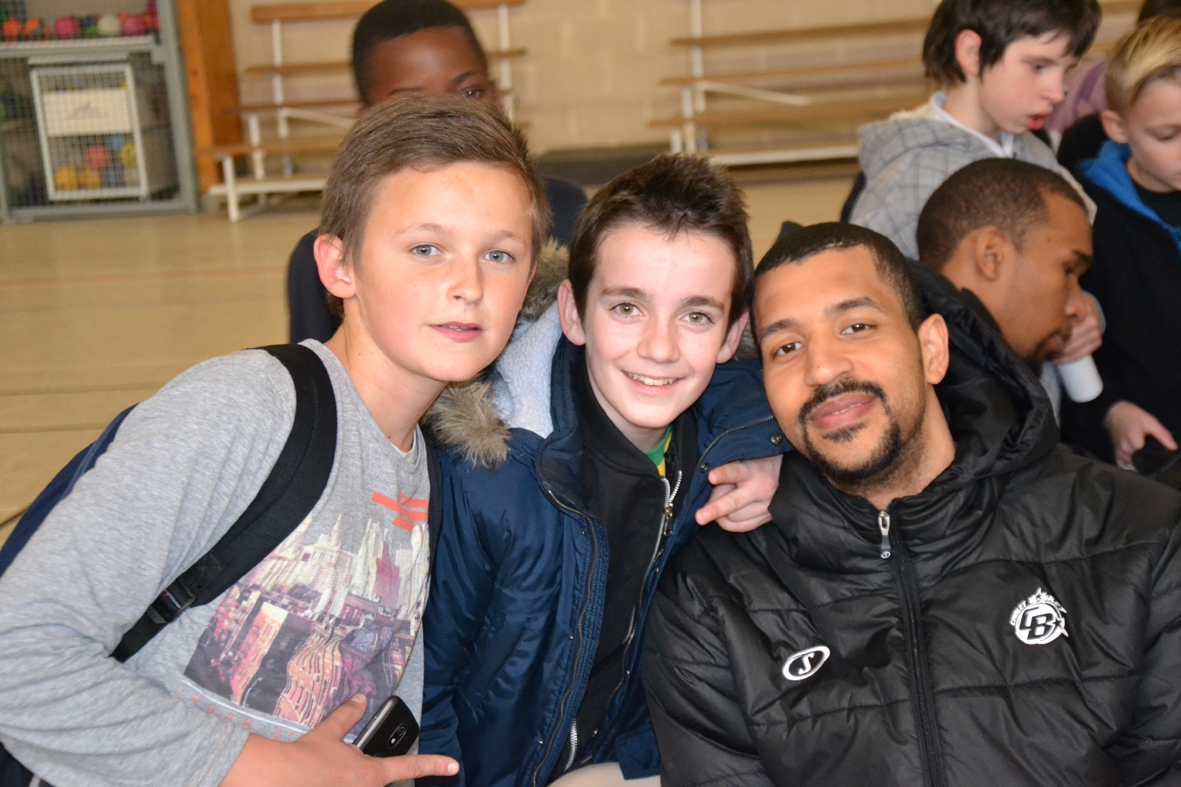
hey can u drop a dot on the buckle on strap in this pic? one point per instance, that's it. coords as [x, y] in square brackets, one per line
[175, 599]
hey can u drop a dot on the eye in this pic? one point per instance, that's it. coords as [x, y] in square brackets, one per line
[424, 250]
[786, 349]
[496, 255]
[625, 309]
[699, 318]
[472, 92]
[857, 327]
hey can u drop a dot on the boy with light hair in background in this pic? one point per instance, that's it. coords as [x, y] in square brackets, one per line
[1136, 185]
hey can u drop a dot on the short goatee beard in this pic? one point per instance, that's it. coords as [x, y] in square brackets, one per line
[875, 471]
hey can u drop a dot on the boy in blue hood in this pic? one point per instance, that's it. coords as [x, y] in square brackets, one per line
[612, 409]
[1136, 185]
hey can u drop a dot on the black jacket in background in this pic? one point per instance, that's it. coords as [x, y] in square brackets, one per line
[928, 681]
[1136, 276]
[307, 309]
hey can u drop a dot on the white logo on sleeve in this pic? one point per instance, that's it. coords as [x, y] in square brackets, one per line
[1039, 619]
[806, 663]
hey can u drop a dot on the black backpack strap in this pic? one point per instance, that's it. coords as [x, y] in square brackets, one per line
[288, 495]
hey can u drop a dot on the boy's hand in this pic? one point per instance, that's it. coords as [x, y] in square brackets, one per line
[742, 493]
[1085, 338]
[1129, 426]
[323, 758]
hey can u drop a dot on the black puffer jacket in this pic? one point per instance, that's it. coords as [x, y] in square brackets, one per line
[1026, 629]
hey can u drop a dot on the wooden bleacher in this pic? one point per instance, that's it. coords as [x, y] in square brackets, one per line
[336, 113]
[826, 100]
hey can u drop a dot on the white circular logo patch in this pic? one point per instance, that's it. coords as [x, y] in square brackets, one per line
[1039, 619]
[806, 663]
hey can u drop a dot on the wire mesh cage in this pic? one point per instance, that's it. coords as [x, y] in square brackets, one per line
[93, 121]
[103, 133]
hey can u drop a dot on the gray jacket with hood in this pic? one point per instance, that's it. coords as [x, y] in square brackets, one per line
[906, 157]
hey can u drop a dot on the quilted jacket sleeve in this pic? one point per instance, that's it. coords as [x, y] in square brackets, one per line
[699, 725]
[1149, 752]
[461, 584]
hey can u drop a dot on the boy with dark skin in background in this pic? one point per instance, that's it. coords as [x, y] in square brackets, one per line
[401, 47]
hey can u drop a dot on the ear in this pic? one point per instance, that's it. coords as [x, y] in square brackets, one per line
[933, 346]
[335, 271]
[1113, 124]
[568, 314]
[967, 52]
[991, 253]
[733, 338]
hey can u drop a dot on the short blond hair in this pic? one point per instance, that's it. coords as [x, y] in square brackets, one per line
[1150, 52]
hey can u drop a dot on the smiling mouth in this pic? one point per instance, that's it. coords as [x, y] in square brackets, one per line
[842, 411]
[655, 382]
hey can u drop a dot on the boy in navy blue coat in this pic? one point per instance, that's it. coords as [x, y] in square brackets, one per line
[600, 427]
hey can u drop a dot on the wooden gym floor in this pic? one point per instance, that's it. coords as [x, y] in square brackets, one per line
[97, 314]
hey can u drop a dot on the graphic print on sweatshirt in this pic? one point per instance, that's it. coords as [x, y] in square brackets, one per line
[333, 611]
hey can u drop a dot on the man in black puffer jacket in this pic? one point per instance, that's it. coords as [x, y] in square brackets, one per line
[945, 596]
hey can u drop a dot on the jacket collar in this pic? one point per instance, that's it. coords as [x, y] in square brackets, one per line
[1110, 172]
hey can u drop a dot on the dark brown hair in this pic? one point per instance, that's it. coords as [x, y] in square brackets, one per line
[424, 132]
[995, 192]
[392, 19]
[999, 23]
[805, 243]
[671, 194]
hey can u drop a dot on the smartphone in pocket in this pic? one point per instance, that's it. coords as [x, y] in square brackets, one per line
[391, 732]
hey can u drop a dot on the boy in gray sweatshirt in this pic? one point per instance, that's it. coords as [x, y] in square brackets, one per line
[432, 217]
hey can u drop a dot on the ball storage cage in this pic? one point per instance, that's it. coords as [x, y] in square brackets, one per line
[95, 126]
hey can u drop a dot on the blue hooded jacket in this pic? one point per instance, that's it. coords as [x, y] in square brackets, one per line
[519, 580]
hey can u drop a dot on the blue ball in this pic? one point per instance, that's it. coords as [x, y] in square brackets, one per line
[112, 178]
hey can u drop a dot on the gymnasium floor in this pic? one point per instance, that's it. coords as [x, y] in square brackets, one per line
[98, 314]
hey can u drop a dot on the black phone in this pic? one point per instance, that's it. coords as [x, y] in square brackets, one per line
[391, 732]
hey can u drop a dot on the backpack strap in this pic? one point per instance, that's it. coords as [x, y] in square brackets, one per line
[287, 496]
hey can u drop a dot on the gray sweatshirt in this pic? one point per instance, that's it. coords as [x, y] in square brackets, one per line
[906, 157]
[334, 610]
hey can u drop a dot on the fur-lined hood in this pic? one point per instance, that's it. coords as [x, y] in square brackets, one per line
[470, 416]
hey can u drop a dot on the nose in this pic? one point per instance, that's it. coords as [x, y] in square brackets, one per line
[467, 282]
[1055, 89]
[659, 342]
[826, 362]
[1077, 306]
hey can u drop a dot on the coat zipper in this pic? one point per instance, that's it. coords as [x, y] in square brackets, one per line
[916, 652]
[664, 531]
[579, 626]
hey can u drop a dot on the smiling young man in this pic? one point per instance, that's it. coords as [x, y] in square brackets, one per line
[621, 404]
[945, 597]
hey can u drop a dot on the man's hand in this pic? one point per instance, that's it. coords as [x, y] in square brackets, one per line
[1085, 338]
[1129, 426]
[323, 758]
[742, 494]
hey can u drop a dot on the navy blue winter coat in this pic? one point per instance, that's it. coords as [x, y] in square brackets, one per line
[518, 587]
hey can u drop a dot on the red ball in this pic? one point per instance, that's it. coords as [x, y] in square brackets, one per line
[133, 25]
[67, 27]
[11, 29]
[98, 157]
[32, 29]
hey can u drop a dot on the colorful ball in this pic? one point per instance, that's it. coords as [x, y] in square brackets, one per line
[32, 29]
[127, 155]
[90, 178]
[98, 157]
[133, 25]
[151, 22]
[108, 26]
[11, 29]
[65, 178]
[67, 27]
